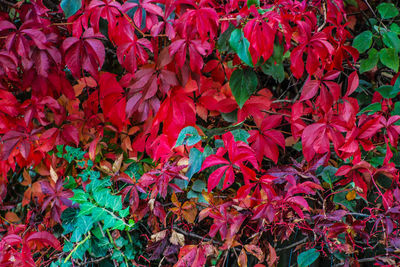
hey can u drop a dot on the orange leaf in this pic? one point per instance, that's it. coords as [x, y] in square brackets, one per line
[174, 200]
[27, 178]
[12, 217]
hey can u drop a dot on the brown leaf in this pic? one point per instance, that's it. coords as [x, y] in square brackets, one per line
[242, 259]
[158, 236]
[255, 251]
[272, 258]
[189, 211]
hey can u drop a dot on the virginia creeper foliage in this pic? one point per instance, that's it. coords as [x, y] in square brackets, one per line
[199, 132]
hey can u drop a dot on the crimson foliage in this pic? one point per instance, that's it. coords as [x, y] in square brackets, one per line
[228, 131]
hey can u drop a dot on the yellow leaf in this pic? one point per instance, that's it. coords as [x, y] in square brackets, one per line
[351, 195]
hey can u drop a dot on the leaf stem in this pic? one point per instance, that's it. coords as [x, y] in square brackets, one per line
[115, 246]
[76, 247]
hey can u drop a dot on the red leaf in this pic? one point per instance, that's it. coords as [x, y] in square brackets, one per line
[353, 82]
[45, 237]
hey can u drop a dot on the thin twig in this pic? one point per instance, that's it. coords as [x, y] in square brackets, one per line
[7, 3]
[359, 261]
[292, 245]
[196, 236]
[324, 13]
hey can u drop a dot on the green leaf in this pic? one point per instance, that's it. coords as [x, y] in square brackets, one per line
[123, 213]
[70, 183]
[83, 226]
[372, 108]
[395, 28]
[387, 10]
[188, 136]
[99, 247]
[328, 175]
[68, 218]
[97, 184]
[396, 109]
[240, 135]
[391, 40]
[230, 117]
[369, 63]
[241, 45]
[98, 214]
[86, 208]
[109, 221]
[119, 225]
[80, 196]
[363, 41]
[198, 186]
[253, 2]
[340, 198]
[223, 40]
[81, 250]
[73, 154]
[351, 2]
[307, 258]
[388, 91]
[243, 84]
[70, 7]
[389, 58]
[195, 161]
[276, 71]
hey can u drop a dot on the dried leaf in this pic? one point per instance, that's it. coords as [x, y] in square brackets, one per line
[53, 174]
[177, 239]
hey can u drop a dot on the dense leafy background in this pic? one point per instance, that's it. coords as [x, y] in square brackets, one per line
[192, 133]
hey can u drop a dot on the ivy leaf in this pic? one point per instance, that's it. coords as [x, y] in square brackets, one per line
[387, 10]
[389, 58]
[241, 45]
[363, 41]
[70, 7]
[83, 226]
[188, 136]
[243, 84]
[86, 208]
[307, 258]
